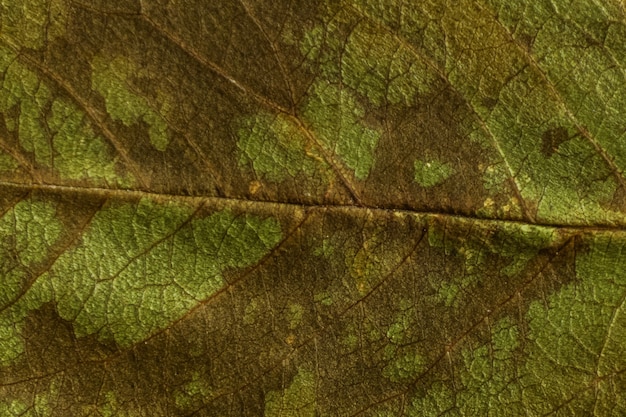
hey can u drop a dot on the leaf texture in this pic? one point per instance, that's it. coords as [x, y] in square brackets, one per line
[330, 208]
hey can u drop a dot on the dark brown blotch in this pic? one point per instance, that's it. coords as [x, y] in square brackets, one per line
[526, 41]
[489, 102]
[552, 139]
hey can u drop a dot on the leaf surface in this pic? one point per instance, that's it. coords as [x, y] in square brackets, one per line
[368, 207]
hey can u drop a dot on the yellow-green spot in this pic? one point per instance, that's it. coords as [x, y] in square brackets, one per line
[432, 172]
[10, 343]
[28, 230]
[326, 249]
[520, 243]
[109, 406]
[294, 315]
[496, 179]
[160, 264]
[448, 293]
[296, 400]
[451, 288]
[372, 261]
[317, 47]
[397, 330]
[337, 120]
[274, 147]
[405, 367]
[7, 162]
[439, 400]
[351, 341]
[192, 392]
[365, 266]
[252, 311]
[30, 23]
[436, 236]
[111, 78]
[324, 298]
[403, 360]
[44, 401]
[14, 408]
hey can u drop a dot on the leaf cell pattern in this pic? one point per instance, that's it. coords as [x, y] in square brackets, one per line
[330, 208]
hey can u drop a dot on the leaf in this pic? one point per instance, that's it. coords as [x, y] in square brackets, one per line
[374, 208]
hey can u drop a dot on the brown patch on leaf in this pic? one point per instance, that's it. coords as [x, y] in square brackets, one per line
[552, 139]
[618, 202]
[433, 129]
[526, 41]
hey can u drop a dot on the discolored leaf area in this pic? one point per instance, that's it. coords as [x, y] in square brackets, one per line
[312, 208]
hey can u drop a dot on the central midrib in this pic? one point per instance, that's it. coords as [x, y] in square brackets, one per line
[281, 205]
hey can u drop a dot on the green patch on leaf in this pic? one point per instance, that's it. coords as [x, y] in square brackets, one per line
[519, 244]
[110, 78]
[13, 408]
[449, 292]
[372, 62]
[326, 249]
[515, 246]
[41, 404]
[431, 173]
[192, 392]
[7, 162]
[183, 259]
[350, 338]
[22, 89]
[365, 264]
[275, 148]
[396, 334]
[54, 130]
[404, 367]
[296, 400]
[12, 322]
[574, 350]
[252, 311]
[294, 315]
[27, 232]
[404, 361]
[110, 407]
[89, 156]
[488, 380]
[324, 298]
[336, 118]
[32, 23]
[160, 263]
[579, 336]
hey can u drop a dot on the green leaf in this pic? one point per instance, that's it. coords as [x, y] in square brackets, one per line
[295, 208]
